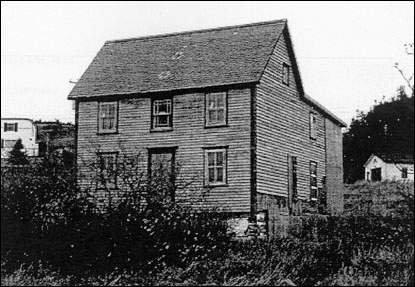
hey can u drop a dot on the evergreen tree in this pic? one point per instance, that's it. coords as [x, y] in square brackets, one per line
[16, 155]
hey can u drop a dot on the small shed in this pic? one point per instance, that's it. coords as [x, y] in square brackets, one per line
[381, 167]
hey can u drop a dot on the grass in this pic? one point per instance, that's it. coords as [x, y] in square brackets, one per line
[341, 255]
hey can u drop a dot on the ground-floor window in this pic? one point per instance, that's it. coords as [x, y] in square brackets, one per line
[215, 166]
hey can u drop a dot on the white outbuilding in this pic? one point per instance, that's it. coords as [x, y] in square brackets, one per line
[381, 167]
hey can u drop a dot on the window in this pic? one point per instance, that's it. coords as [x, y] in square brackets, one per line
[313, 126]
[107, 170]
[215, 166]
[162, 114]
[215, 109]
[10, 127]
[313, 180]
[404, 172]
[107, 117]
[294, 176]
[285, 74]
[7, 143]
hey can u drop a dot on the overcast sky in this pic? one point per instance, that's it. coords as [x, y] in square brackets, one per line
[346, 51]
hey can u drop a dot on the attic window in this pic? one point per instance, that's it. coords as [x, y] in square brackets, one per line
[285, 74]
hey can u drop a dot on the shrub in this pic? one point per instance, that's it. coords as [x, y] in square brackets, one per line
[48, 218]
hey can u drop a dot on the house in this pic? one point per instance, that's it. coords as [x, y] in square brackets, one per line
[228, 104]
[380, 167]
[13, 129]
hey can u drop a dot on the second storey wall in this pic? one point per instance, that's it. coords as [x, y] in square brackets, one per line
[189, 136]
[283, 130]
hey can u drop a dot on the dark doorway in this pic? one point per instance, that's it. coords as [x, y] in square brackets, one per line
[376, 174]
[161, 168]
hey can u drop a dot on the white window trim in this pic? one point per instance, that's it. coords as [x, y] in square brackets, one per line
[224, 166]
[100, 118]
[313, 125]
[155, 113]
[209, 123]
[313, 176]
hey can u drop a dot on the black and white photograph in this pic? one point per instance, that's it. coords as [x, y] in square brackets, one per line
[198, 143]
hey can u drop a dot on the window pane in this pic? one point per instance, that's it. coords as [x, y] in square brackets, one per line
[219, 158]
[162, 108]
[211, 175]
[211, 159]
[212, 116]
[211, 101]
[162, 121]
[219, 171]
[220, 100]
[221, 115]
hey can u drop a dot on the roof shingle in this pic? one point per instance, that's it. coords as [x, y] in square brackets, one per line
[194, 59]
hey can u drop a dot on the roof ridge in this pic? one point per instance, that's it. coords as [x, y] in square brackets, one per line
[284, 20]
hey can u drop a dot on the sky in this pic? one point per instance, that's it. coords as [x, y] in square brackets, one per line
[345, 50]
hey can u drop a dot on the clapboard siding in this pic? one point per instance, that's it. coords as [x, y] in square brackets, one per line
[189, 136]
[283, 129]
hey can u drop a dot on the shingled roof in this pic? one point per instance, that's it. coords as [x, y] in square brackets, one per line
[194, 59]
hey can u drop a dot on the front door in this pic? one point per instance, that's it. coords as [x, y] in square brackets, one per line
[376, 174]
[161, 168]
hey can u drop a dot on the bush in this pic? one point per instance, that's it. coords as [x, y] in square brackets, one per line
[46, 218]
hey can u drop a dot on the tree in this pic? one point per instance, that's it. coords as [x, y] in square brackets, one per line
[17, 156]
[387, 128]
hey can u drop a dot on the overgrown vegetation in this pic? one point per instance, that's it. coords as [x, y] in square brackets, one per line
[53, 235]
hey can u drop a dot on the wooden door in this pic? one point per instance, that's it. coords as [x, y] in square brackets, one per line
[162, 167]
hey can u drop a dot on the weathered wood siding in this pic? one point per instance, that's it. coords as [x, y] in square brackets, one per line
[283, 129]
[334, 167]
[189, 136]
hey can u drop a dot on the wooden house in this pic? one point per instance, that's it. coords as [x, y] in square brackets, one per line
[227, 104]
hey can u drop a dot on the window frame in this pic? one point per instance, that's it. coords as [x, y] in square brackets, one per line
[114, 130]
[313, 125]
[169, 115]
[313, 188]
[99, 182]
[208, 123]
[224, 166]
[285, 75]
[294, 174]
[8, 125]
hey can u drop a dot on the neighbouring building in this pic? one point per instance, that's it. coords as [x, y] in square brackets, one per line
[13, 129]
[380, 167]
[227, 104]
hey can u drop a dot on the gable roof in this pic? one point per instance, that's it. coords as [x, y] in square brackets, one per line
[195, 59]
[395, 158]
[187, 60]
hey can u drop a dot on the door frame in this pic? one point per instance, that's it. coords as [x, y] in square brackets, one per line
[155, 150]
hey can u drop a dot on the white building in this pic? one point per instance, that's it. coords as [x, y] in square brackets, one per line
[382, 167]
[13, 129]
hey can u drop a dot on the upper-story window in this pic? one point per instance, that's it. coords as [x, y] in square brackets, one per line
[216, 109]
[313, 126]
[162, 114]
[286, 74]
[313, 180]
[404, 172]
[10, 127]
[215, 166]
[108, 117]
